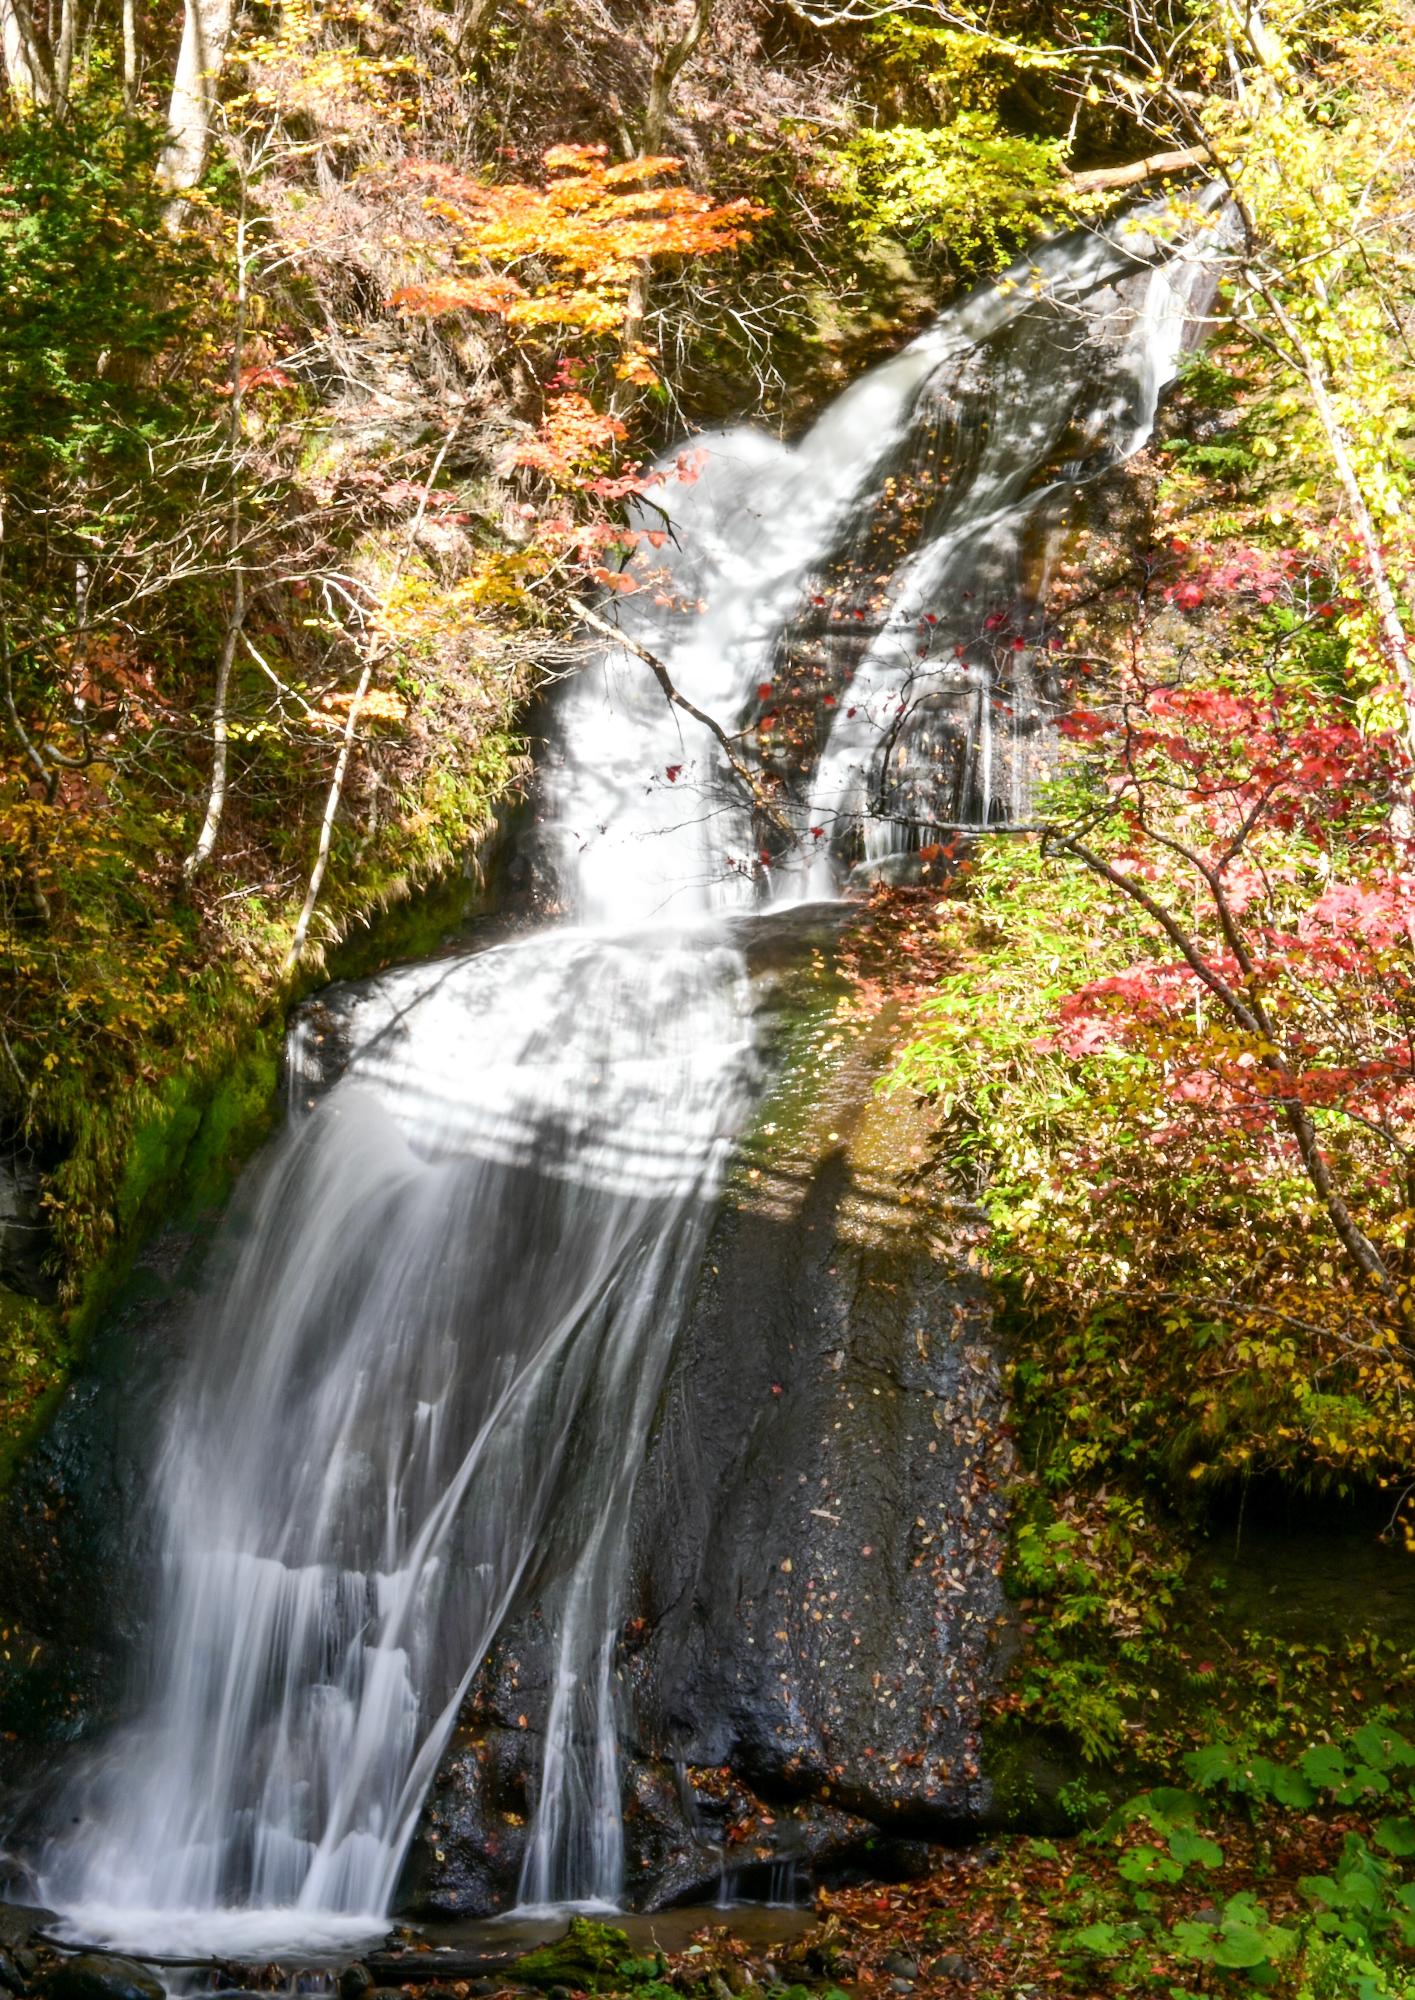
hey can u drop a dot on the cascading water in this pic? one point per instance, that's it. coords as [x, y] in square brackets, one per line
[445, 1312]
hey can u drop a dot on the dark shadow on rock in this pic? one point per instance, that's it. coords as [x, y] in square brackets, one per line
[816, 1619]
[75, 1559]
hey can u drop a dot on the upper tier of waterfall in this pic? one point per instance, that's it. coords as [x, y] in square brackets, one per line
[893, 565]
[438, 1326]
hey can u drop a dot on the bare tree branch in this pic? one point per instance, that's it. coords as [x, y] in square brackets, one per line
[1099, 180]
[745, 776]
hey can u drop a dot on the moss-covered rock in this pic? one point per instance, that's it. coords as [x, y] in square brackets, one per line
[591, 1958]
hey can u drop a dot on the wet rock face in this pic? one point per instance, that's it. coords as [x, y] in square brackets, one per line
[74, 1529]
[821, 1613]
[816, 1619]
[472, 1841]
[688, 1832]
[96, 1976]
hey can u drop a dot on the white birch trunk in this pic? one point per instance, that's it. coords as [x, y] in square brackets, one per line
[206, 28]
[25, 70]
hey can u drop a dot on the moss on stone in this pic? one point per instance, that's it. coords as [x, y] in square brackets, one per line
[590, 1958]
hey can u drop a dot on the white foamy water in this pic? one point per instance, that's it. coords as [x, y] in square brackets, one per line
[444, 1308]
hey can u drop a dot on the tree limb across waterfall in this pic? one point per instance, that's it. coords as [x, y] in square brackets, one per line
[743, 773]
[1099, 179]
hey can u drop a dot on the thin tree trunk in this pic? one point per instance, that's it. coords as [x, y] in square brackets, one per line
[220, 732]
[668, 62]
[64, 51]
[341, 767]
[326, 825]
[468, 21]
[130, 56]
[26, 71]
[1394, 639]
[206, 28]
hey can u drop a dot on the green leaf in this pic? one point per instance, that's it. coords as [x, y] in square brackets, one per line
[1325, 1765]
[1396, 1834]
[1195, 1941]
[1212, 1764]
[1101, 1940]
[1348, 1891]
[1383, 1747]
[1188, 1847]
[1290, 1788]
[1241, 1947]
[1363, 1779]
[1171, 1804]
[1148, 1864]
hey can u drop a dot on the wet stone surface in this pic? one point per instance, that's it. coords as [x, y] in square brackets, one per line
[816, 1619]
[25, 1242]
[97, 1976]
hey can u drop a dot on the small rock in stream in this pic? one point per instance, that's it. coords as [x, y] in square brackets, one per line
[19, 1921]
[95, 1976]
[354, 1982]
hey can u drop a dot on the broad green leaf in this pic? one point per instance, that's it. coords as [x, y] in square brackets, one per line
[1351, 1890]
[1173, 1804]
[1212, 1764]
[1195, 1941]
[1325, 1765]
[1102, 1940]
[1383, 1747]
[1396, 1834]
[1363, 1779]
[1148, 1864]
[1188, 1847]
[1290, 1788]
[1241, 1947]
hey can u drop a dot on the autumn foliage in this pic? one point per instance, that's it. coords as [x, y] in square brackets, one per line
[1257, 838]
[1178, 1055]
[567, 252]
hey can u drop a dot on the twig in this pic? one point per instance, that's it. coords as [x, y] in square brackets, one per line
[341, 767]
[744, 775]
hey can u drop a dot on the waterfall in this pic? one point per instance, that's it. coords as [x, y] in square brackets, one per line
[446, 1302]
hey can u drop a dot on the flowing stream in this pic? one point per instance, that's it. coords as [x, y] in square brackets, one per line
[430, 1362]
